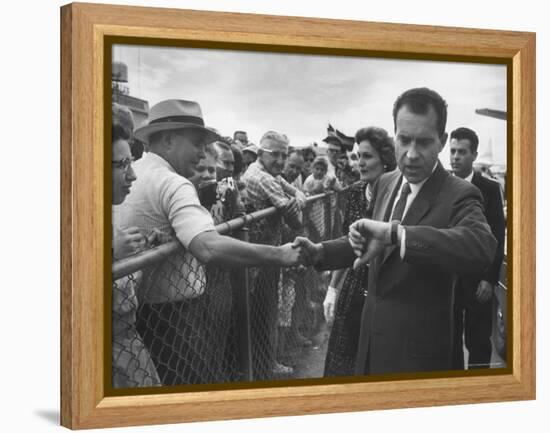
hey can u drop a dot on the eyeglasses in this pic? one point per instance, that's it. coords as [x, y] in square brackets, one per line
[124, 163]
[276, 154]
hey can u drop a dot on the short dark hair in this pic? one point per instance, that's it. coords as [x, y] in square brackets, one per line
[238, 165]
[466, 134]
[238, 132]
[381, 142]
[419, 101]
[309, 151]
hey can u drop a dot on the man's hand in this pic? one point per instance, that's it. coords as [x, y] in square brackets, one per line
[484, 291]
[329, 304]
[127, 242]
[292, 255]
[311, 253]
[368, 238]
[292, 209]
[156, 237]
[300, 198]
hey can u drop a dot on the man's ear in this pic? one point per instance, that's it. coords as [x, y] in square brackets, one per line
[168, 143]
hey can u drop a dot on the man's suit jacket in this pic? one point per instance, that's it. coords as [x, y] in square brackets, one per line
[407, 321]
[493, 210]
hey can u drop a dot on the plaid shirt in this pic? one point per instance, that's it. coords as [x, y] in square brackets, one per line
[265, 190]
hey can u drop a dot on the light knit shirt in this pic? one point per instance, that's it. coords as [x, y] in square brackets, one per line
[162, 199]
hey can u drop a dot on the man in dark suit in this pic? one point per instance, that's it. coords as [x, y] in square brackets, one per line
[473, 306]
[427, 226]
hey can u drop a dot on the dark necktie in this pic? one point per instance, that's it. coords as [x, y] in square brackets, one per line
[399, 209]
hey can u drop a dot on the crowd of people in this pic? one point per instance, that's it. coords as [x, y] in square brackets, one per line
[412, 274]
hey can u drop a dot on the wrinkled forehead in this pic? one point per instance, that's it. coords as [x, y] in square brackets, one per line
[275, 145]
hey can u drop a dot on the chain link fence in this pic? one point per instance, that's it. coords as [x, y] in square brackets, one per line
[175, 321]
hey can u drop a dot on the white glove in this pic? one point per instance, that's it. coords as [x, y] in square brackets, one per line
[329, 304]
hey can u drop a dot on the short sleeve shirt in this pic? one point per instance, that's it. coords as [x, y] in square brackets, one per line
[162, 199]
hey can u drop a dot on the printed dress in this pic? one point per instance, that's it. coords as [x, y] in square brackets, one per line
[344, 337]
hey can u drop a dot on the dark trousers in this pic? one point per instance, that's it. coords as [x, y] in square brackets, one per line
[474, 321]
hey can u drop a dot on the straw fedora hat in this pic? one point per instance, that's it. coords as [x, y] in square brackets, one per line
[175, 114]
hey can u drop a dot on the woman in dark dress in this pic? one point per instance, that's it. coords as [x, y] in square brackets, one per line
[344, 300]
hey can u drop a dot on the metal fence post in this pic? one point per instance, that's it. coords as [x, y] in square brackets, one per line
[240, 282]
[328, 217]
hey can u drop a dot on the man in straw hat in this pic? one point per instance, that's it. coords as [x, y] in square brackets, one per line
[164, 199]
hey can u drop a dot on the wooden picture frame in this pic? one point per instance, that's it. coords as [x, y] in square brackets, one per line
[84, 28]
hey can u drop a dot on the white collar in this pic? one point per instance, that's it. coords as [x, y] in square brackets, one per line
[416, 187]
[467, 178]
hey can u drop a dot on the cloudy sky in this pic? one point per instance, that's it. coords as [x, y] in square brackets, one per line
[300, 94]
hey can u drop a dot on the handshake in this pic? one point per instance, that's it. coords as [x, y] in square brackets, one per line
[367, 237]
[301, 252]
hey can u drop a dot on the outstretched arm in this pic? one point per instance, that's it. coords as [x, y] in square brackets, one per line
[212, 248]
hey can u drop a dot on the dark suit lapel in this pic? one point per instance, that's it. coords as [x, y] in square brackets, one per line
[476, 179]
[424, 200]
[384, 211]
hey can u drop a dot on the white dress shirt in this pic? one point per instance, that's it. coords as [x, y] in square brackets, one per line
[415, 189]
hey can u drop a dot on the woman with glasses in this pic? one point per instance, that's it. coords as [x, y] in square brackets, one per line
[131, 363]
[345, 296]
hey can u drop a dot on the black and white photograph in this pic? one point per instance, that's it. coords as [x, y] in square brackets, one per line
[283, 216]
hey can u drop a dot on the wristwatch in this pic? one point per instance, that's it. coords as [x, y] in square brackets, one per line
[393, 232]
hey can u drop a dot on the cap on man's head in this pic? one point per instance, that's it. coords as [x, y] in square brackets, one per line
[173, 114]
[338, 138]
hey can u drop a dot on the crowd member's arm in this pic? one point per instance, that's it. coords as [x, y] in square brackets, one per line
[212, 248]
[292, 191]
[289, 208]
[194, 228]
[333, 292]
[292, 214]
